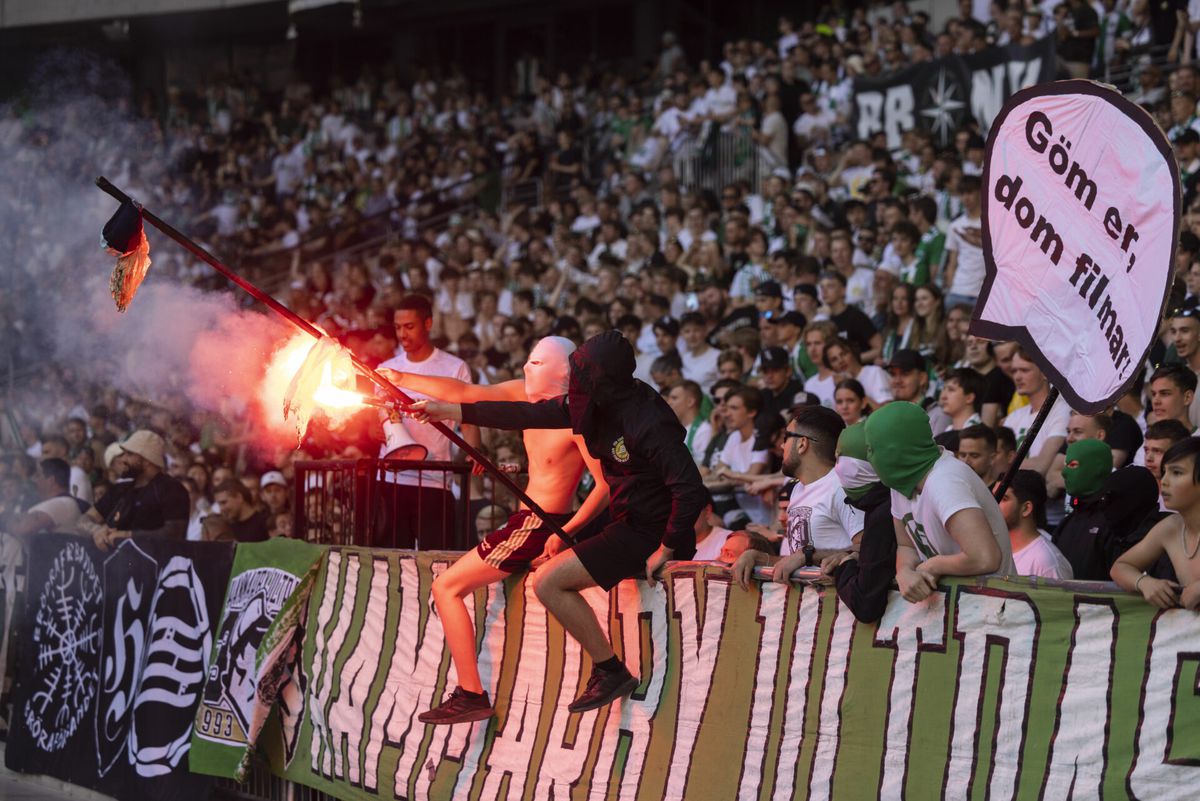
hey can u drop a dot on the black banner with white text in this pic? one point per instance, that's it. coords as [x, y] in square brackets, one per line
[112, 648]
[942, 94]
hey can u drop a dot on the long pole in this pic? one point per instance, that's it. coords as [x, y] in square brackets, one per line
[1026, 443]
[307, 327]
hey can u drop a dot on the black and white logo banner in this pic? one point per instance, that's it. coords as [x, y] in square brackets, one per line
[112, 661]
[940, 95]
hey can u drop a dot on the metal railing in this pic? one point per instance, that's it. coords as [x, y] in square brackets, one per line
[367, 502]
[713, 160]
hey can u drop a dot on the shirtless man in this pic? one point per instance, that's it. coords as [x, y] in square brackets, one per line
[556, 461]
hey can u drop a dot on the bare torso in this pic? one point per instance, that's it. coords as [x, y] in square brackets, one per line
[555, 467]
[1187, 568]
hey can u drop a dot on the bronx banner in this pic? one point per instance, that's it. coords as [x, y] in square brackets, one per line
[1081, 211]
[939, 96]
[112, 648]
[255, 650]
[989, 689]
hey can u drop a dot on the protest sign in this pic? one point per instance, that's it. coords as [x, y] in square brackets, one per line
[1081, 212]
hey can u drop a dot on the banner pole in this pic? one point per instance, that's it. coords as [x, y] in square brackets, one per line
[304, 325]
[1023, 450]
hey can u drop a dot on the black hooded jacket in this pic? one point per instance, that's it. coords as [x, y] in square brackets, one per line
[653, 483]
[1103, 526]
[864, 583]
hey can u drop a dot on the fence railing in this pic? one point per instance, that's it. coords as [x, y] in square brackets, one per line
[384, 503]
[713, 160]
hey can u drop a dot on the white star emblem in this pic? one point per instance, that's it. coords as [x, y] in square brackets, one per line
[944, 106]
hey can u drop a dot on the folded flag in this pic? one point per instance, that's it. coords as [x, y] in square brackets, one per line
[124, 237]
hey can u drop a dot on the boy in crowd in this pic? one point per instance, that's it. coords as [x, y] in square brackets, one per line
[1160, 437]
[1172, 388]
[977, 446]
[947, 522]
[1178, 536]
[1024, 510]
[1031, 382]
[962, 398]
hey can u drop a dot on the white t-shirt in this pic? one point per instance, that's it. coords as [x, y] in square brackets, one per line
[860, 289]
[81, 485]
[832, 523]
[1055, 425]
[710, 549]
[1041, 558]
[699, 440]
[969, 273]
[63, 511]
[702, 369]
[823, 388]
[739, 455]
[950, 487]
[442, 364]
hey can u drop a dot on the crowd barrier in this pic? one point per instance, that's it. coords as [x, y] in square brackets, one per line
[344, 502]
[322, 658]
[712, 160]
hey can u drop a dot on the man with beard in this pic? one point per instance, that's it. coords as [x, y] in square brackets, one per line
[820, 523]
[155, 505]
[655, 488]
[556, 462]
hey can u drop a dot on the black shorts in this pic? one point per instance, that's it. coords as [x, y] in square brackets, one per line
[619, 551]
[520, 541]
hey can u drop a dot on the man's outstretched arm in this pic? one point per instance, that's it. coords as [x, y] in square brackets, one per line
[507, 415]
[453, 390]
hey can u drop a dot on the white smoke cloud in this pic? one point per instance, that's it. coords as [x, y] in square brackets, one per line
[73, 123]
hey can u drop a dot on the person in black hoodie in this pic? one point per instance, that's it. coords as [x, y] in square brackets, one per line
[864, 578]
[1106, 521]
[656, 493]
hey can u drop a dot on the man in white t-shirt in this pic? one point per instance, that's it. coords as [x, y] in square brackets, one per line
[964, 248]
[417, 507]
[741, 460]
[947, 522]
[1024, 510]
[699, 359]
[1031, 382]
[56, 447]
[820, 523]
[685, 399]
[58, 510]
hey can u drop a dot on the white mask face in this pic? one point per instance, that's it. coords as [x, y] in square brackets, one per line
[854, 473]
[548, 368]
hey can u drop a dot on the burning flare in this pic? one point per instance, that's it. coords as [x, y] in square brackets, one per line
[315, 374]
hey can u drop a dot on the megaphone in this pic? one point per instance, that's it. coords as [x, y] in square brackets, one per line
[400, 444]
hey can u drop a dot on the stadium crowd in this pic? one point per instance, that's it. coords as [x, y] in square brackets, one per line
[781, 315]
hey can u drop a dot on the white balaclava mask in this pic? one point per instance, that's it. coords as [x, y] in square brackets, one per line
[548, 368]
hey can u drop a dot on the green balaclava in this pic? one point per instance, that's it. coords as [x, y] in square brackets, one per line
[1088, 463]
[900, 446]
[853, 467]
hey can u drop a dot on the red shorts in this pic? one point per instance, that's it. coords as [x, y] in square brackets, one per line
[520, 541]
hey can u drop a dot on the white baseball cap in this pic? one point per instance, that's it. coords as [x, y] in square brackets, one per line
[272, 477]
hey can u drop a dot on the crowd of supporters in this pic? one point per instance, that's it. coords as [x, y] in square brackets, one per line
[844, 276]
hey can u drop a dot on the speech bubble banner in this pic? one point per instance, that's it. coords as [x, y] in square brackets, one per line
[1081, 211]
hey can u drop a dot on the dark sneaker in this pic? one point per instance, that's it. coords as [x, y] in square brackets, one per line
[604, 687]
[459, 708]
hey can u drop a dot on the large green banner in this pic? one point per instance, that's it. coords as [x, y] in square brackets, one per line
[992, 689]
